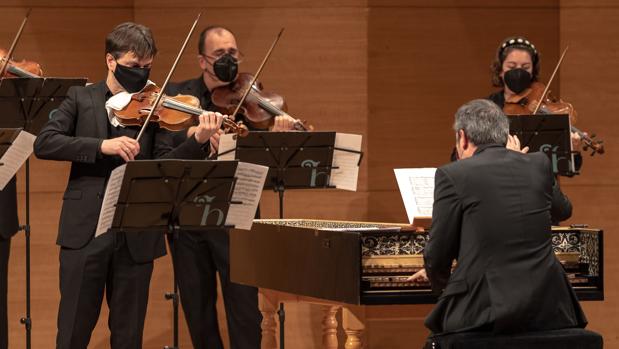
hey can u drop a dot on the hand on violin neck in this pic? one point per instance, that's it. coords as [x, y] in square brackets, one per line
[209, 124]
[576, 140]
[283, 123]
[214, 142]
[125, 147]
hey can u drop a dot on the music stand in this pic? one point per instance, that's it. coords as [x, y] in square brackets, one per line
[296, 160]
[172, 196]
[7, 136]
[23, 102]
[549, 134]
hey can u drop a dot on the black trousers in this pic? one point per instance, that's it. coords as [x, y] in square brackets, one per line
[197, 258]
[104, 264]
[5, 250]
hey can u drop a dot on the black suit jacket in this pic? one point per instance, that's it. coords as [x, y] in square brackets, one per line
[9, 224]
[74, 133]
[492, 215]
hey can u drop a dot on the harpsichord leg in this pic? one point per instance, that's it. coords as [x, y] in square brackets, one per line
[352, 322]
[329, 327]
[267, 303]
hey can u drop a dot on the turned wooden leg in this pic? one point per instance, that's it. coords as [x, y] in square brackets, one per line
[329, 327]
[268, 308]
[352, 322]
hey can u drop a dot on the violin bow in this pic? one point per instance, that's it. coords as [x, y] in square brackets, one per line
[9, 54]
[539, 103]
[167, 79]
[253, 81]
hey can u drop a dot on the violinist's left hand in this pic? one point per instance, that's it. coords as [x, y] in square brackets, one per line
[209, 124]
[214, 142]
[283, 123]
[576, 139]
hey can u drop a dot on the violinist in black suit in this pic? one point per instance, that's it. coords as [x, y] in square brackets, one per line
[9, 226]
[83, 132]
[492, 215]
[199, 256]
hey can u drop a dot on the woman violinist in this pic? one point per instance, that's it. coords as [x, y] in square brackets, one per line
[515, 68]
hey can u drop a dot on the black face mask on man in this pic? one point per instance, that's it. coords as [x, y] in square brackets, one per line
[132, 79]
[517, 80]
[226, 68]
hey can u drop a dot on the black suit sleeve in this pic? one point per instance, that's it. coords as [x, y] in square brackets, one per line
[442, 247]
[57, 140]
[561, 207]
[165, 147]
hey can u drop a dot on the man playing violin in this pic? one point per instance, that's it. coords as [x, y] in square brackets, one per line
[200, 255]
[82, 131]
[515, 68]
[9, 226]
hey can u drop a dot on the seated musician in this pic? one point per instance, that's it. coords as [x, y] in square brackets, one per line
[515, 67]
[492, 215]
[199, 256]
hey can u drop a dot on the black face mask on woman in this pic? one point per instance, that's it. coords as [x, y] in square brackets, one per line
[517, 80]
[132, 79]
[226, 67]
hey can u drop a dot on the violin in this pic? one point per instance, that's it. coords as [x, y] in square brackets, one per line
[174, 113]
[259, 107]
[538, 99]
[22, 69]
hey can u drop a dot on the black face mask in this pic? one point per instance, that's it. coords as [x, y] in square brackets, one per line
[226, 67]
[132, 79]
[517, 80]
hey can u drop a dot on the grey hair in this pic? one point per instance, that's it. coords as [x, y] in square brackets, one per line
[483, 122]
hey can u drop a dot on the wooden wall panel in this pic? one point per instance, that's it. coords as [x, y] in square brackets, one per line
[426, 62]
[463, 4]
[207, 6]
[589, 82]
[37, 5]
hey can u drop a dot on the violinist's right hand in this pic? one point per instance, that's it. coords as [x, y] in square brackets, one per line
[125, 147]
[210, 122]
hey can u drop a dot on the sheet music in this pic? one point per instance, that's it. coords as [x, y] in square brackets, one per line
[345, 173]
[15, 157]
[227, 142]
[248, 189]
[108, 208]
[417, 190]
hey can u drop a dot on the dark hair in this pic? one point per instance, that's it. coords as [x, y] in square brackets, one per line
[507, 46]
[131, 37]
[206, 31]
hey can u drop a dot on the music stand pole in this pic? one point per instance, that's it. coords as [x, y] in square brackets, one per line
[27, 321]
[174, 295]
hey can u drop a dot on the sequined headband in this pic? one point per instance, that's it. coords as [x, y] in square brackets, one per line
[518, 41]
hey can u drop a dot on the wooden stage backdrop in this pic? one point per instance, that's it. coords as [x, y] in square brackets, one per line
[392, 70]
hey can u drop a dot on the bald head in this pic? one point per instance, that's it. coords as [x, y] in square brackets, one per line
[215, 37]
